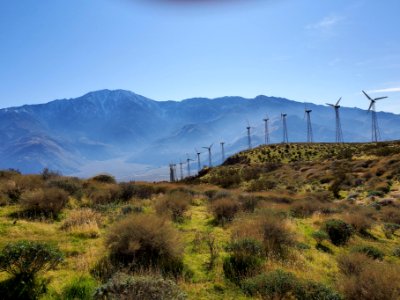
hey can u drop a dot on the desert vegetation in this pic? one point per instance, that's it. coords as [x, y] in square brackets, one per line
[294, 221]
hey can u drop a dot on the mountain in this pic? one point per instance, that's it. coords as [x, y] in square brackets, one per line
[87, 135]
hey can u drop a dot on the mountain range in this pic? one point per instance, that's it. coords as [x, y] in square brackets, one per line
[134, 137]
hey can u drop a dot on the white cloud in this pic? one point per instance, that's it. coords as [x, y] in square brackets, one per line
[388, 90]
[326, 23]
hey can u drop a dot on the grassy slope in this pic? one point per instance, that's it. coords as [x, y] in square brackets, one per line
[82, 253]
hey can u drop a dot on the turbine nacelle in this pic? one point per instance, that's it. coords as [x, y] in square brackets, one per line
[373, 100]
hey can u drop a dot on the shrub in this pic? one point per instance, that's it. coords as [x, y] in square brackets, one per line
[249, 202]
[48, 174]
[369, 251]
[391, 215]
[320, 236]
[269, 229]
[277, 284]
[24, 260]
[245, 260]
[311, 290]
[353, 263]
[48, 202]
[104, 194]
[71, 185]
[359, 221]
[146, 241]
[389, 229]
[124, 287]
[339, 231]
[175, 204]
[376, 281]
[81, 288]
[305, 208]
[104, 178]
[277, 237]
[224, 210]
[84, 222]
[142, 191]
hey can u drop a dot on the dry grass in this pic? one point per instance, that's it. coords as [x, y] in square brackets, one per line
[83, 222]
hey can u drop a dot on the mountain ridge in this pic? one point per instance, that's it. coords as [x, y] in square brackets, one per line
[109, 124]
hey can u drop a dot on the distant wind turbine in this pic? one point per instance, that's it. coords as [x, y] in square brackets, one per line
[372, 109]
[339, 134]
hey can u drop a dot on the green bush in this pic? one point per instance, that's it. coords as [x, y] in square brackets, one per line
[279, 284]
[339, 231]
[81, 288]
[126, 287]
[369, 251]
[310, 290]
[146, 241]
[247, 256]
[24, 260]
[320, 236]
[104, 178]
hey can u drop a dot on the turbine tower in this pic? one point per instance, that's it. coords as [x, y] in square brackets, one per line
[188, 160]
[249, 134]
[172, 172]
[198, 160]
[181, 169]
[307, 113]
[209, 155]
[339, 134]
[285, 131]
[266, 120]
[223, 151]
[372, 109]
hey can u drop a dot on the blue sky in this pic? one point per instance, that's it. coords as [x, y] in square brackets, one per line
[304, 50]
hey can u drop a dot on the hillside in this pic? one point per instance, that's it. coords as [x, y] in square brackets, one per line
[102, 129]
[296, 221]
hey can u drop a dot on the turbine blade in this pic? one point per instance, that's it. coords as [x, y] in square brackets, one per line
[380, 98]
[366, 95]
[370, 106]
[330, 104]
[337, 103]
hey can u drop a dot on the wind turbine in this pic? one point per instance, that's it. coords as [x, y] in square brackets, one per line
[266, 120]
[307, 113]
[249, 134]
[285, 131]
[198, 160]
[172, 172]
[209, 155]
[181, 168]
[372, 109]
[223, 151]
[188, 160]
[339, 134]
